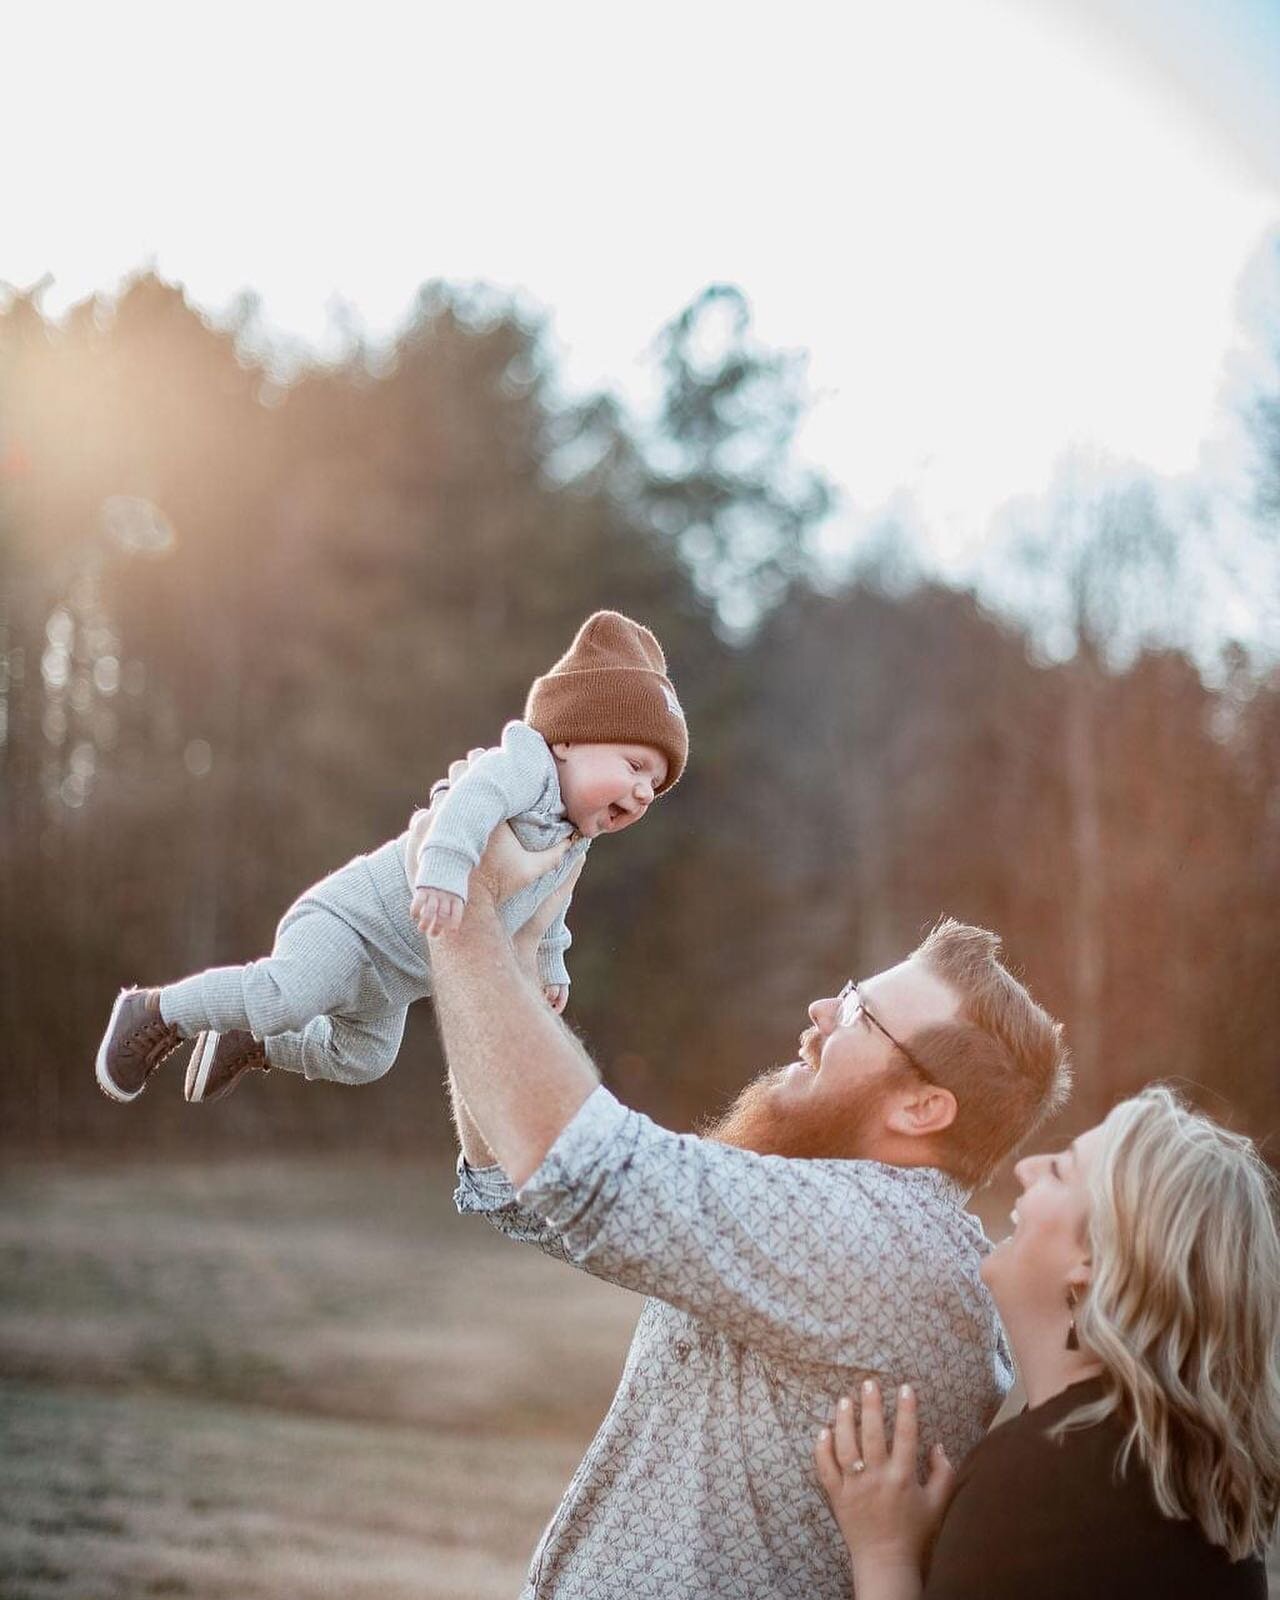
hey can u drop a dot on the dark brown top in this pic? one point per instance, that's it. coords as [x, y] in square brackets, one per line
[1051, 1519]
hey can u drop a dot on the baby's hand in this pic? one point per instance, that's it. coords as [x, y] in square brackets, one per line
[557, 996]
[437, 911]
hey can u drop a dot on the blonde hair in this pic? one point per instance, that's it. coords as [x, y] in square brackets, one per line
[1003, 1059]
[1183, 1310]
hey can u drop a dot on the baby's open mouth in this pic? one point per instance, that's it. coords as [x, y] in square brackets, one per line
[615, 812]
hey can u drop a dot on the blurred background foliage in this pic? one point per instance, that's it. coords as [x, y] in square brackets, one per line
[245, 622]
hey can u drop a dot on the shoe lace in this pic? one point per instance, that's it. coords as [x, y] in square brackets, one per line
[256, 1056]
[244, 1054]
[152, 1041]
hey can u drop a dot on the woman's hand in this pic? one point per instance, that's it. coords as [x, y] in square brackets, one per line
[887, 1517]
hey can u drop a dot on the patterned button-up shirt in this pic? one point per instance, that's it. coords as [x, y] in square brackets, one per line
[774, 1286]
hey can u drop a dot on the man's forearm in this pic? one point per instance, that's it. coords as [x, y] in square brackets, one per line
[520, 1073]
[475, 1152]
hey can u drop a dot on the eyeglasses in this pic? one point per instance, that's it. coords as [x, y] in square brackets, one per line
[852, 1006]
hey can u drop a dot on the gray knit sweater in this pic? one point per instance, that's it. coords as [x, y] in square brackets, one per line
[515, 782]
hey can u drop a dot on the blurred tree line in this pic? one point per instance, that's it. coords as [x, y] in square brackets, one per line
[244, 624]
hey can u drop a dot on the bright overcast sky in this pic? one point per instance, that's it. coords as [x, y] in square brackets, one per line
[999, 227]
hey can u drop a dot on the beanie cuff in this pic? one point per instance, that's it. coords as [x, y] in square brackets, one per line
[611, 705]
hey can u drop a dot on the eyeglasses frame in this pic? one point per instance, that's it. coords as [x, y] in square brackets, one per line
[851, 988]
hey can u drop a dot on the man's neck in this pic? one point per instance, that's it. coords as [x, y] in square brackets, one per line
[893, 1150]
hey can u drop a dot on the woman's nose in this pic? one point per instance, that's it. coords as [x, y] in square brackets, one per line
[1023, 1171]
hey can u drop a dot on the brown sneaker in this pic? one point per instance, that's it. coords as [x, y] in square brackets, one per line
[220, 1060]
[136, 1041]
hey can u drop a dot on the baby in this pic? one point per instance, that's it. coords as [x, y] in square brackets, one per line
[603, 734]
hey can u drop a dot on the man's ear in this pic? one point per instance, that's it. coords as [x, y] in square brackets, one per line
[922, 1110]
[560, 749]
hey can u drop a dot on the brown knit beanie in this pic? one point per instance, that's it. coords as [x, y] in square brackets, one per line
[611, 687]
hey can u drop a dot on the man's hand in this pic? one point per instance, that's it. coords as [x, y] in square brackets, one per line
[436, 911]
[456, 768]
[506, 867]
[557, 996]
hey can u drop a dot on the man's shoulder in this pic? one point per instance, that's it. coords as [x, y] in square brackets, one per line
[854, 1177]
[858, 1195]
[852, 1197]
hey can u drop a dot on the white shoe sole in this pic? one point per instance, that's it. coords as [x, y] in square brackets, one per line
[199, 1065]
[100, 1067]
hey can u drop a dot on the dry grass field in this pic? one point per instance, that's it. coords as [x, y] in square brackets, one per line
[295, 1380]
[288, 1381]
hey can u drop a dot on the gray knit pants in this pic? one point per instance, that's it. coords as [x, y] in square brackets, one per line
[330, 1000]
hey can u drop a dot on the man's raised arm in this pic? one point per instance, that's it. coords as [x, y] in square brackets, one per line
[475, 1152]
[520, 1074]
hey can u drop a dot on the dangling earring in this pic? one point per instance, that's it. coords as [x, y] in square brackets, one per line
[1073, 1342]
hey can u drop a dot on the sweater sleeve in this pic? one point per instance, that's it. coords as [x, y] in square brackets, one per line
[551, 950]
[504, 782]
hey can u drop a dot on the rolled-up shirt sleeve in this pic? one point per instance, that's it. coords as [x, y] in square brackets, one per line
[787, 1255]
[488, 1192]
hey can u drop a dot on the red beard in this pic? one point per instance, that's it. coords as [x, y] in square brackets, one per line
[761, 1120]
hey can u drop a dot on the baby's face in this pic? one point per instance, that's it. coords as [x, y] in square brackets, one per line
[607, 787]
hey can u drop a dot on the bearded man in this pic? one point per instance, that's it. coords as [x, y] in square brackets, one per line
[813, 1238]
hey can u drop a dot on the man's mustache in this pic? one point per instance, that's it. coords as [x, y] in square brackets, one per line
[810, 1048]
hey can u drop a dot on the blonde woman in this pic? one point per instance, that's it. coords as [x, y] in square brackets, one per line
[1141, 1293]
